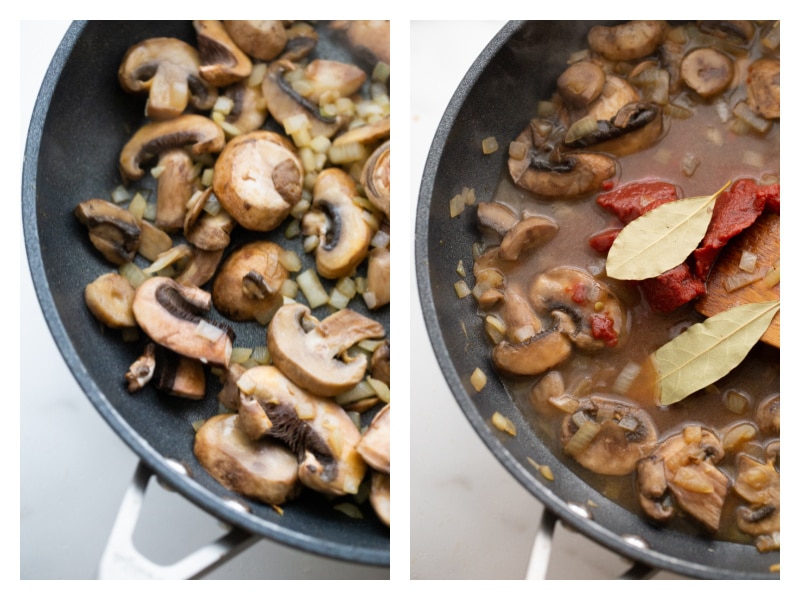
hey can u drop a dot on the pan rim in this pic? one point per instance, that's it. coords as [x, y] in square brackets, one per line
[157, 463]
[455, 382]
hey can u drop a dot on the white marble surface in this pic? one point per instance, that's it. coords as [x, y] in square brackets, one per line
[74, 470]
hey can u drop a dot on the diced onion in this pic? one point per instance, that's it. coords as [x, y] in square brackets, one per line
[517, 150]
[462, 289]
[240, 355]
[381, 389]
[312, 288]
[478, 379]
[580, 128]
[586, 432]
[773, 276]
[489, 145]
[208, 330]
[503, 423]
[626, 377]
[692, 481]
[740, 280]
[456, 205]
[747, 262]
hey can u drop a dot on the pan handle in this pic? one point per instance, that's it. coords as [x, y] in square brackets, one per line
[543, 546]
[121, 559]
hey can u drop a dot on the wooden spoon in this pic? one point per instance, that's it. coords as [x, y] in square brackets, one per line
[764, 239]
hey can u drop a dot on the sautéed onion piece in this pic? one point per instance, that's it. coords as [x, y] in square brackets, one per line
[609, 361]
[283, 144]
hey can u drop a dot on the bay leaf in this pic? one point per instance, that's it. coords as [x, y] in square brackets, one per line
[660, 239]
[708, 351]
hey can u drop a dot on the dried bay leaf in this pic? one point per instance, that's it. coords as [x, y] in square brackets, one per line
[708, 351]
[660, 239]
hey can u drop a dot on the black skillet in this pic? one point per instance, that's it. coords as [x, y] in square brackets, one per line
[497, 97]
[80, 122]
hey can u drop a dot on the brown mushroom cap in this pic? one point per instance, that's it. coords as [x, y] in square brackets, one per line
[258, 178]
[764, 87]
[376, 177]
[581, 83]
[264, 470]
[707, 71]
[345, 235]
[610, 437]
[312, 359]
[168, 69]
[170, 314]
[263, 40]
[318, 430]
[110, 299]
[628, 41]
[199, 133]
[248, 285]
[535, 355]
[113, 230]
[222, 62]
[374, 444]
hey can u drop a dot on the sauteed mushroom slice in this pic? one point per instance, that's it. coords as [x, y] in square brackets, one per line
[113, 230]
[171, 315]
[707, 71]
[376, 178]
[374, 444]
[533, 356]
[178, 375]
[175, 186]
[377, 293]
[142, 369]
[333, 77]
[249, 111]
[764, 87]
[527, 234]
[263, 469]
[168, 70]
[263, 40]
[760, 485]
[495, 218]
[222, 62]
[380, 363]
[317, 359]
[636, 126]
[628, 41]
[301, 39]
[198, 133]
[370, 37]
[684, 466]
[110, 299]
[608, 436]
[379, 495]
[284, 102]
[319, 432]
[589, 312]
[200, 267]
[344, 234]
[581, 83]
[258, 178]
[248, 285]
[204, 230]
[576, 174]
[768, 415]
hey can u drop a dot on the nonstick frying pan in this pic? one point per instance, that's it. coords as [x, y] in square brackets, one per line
[80, 121]
[497, 97]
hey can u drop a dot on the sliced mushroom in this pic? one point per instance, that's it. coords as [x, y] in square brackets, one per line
[366, 134]
[684, 466]
[576, 174]
[199, 268]
[168, 70]
[379, 495]
[495, 218]
[380, 363]
[707, 71]
[333, 77]
[222, 62]
[142, 369]
[369, 37]
[616, 94]
[740, 32]
[248, 285]
[317, 360]
[608, 436]
[628, 41]
[760, 485]
[258, 178]
[636, 126]
[176, 184]
[200, 134]
[170, 314]
[550, 386]
[768, 415]
[527, 234]
[533, 356]
[264, 40]
[301, 39]
[376, 178]
[249, 111]
[581, 83]
[317, 429]
[284, 102]
[110, 299]
[764, 87]
[209, 231]
[263, 470]
[378, 278]
[344, 234]
[589, 312]
[179, 376]
[113, 230]
[374, 444]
